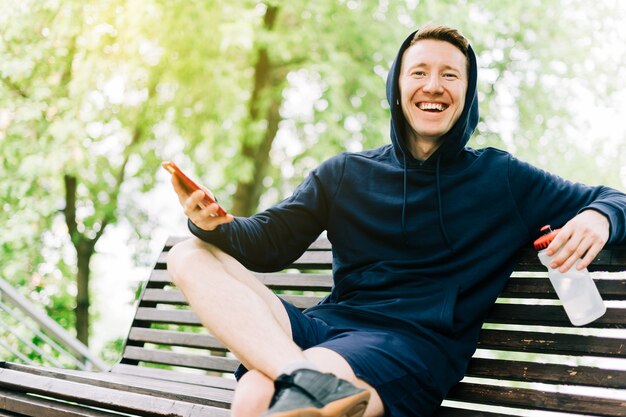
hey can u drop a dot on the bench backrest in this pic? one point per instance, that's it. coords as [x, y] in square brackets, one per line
[529, 355]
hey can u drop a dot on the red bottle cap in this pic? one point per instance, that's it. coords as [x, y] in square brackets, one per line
[548, 237]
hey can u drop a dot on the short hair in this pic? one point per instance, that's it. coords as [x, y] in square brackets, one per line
[443, 33]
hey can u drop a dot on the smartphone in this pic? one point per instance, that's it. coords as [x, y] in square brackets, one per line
[190, 186]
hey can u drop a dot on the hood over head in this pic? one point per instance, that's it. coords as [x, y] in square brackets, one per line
[456, 138]
[452, 143]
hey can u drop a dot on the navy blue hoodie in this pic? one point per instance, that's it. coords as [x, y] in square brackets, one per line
[419, 247]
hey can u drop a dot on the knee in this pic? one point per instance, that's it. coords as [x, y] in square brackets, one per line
[253, 394]
[183, 256]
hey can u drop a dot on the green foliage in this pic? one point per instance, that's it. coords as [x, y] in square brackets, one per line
[111, 352]
[102, 91]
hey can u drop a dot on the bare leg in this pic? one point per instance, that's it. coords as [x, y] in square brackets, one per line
[330, 361]
[226, 296]
[254, 390]
[253, 394]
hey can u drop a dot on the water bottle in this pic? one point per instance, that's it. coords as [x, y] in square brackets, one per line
[576, 290]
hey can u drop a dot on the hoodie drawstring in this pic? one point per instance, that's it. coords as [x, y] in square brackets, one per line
[404, 233]
[440, 206]
[442, 226]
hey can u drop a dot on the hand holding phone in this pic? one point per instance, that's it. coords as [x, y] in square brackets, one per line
[190, 186]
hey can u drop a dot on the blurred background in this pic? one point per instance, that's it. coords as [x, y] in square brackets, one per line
[248, 96]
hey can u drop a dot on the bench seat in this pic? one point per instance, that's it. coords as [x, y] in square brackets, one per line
[530, 360]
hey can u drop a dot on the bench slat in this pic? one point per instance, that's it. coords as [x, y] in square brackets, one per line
[309, 260]
[305, 282]
[277, 280]
[112, 399]
[175, 375]
[17, 402]
[537, 400]
[160, 276]
[554, 343]
[175, 338]
[206, 362]
[153, 315]
[449, 411]
[158, 295]
[611, 289]
[321, 243]
[175, 297]
[610, 259]
[550, 315]
[546, 373]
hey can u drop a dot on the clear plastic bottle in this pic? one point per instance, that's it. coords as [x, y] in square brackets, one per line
[576, 290]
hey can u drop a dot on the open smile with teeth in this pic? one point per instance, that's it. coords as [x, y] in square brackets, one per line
[432, 107]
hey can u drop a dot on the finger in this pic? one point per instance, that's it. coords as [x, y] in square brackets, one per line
[190, 211]
[178, 189]
[591, 254]
[566, 251]
[193, 203]
[568, 263]
[197, 198]
[559, 240]
[576, 254]
[210, 210]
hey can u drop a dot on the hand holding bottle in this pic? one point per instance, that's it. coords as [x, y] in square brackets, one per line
[574, 287]
[579, 240]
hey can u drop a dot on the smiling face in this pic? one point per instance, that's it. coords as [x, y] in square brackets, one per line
[433, 84]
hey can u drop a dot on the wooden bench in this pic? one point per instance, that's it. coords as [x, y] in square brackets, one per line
[530, 360]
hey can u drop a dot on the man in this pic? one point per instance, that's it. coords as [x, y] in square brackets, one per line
[424, 234]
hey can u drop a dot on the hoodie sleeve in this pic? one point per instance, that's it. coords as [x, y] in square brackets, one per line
[544, 198]
[274, 238]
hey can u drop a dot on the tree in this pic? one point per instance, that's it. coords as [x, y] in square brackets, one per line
[248, 95]
[76, 150]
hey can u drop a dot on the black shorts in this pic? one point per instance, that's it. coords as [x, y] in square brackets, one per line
[383, 359]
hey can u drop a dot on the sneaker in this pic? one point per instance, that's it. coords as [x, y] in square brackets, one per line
[309, 393]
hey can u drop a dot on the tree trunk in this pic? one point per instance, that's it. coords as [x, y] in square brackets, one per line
[81, 311]
[85, 248]
[84, 252]
[264, 104]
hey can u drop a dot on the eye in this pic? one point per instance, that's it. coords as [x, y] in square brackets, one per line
[419, 73]
[450, 76]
